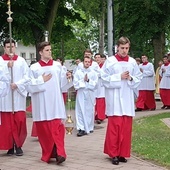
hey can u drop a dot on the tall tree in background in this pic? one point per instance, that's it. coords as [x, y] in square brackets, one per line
[95, 13]
[31, 18]
[146, 24]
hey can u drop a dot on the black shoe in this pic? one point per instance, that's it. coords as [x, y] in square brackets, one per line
[10, 152]
[138, 110]
[60, 159]
[98, 121]
[163, 107]
[81, 133]
[168, 107]
[122, 159]
[19, 151]
[115, 160]
[91, 131]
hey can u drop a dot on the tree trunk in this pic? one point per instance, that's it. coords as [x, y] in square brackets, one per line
[159, 48]
[49, 19]
[51, 14]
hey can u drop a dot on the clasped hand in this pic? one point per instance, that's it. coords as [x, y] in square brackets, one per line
[125, 75]
[69, 75]
[86, 78]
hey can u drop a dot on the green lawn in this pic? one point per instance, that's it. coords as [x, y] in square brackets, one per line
[151, 139]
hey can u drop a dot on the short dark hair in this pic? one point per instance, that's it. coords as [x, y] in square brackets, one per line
[103, 56]
[7, 41]
[98, 54]
[61, 60]
[42, 45]
[165, 56]
[88, 51]
[138, 59]
[86, 57]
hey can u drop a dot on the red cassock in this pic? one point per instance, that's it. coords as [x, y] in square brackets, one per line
[100, 109]
[65, 97]
[34, 129]
[119, 132]
[29, 108]
[50, 132]
[118, 136]
[51, 137]
[165, 96]
[146, 100]
[13, 129]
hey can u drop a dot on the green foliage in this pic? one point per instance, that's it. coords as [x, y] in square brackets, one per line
[142, 21]
[76, 26]
[66, 44]
[151, 139]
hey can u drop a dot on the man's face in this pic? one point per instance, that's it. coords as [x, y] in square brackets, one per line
[46, 53]
[58, 60]
[138, 62]
[144, 59]
[123, 49]
[87, 62]
[160, 63]
[77, 61]
[98, 59]
[7, 48]
[165, 60]
[88, 54]
[103, 60]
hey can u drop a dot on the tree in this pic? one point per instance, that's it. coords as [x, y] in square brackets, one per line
[36, 16]
[146, 23]
[33, 24]
[95, 14]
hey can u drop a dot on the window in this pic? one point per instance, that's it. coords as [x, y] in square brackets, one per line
[32, 56]
[23, 55]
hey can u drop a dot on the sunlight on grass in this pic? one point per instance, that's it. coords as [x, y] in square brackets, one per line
[151, 139]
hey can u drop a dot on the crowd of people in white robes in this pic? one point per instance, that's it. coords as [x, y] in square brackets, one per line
[105, 88]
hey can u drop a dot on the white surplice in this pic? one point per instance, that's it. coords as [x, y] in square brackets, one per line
[4, 81]
[85, 98]
[46, 97]
[100, 91]
[165, 77]
[20, 78]
[148, 81]
[119, 94]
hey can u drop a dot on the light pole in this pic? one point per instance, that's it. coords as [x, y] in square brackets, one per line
[110, 27]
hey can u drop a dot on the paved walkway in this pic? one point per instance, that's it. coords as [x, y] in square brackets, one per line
[83, 153]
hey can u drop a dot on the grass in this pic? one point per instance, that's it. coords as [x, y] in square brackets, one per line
[151, 139]
[70, 104]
